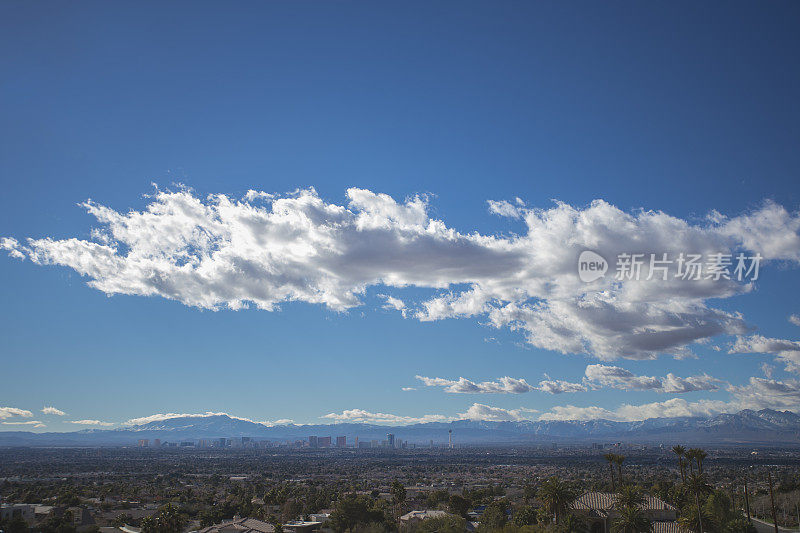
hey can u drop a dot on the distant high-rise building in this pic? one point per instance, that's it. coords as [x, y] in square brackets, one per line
[313, 441]
[341, 442]
[144, 443]
[390, 439]
[450, 438]
[356, 445]
[324, 442]
[157, 443]
[223, 442]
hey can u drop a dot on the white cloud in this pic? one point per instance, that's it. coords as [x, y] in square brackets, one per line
[160, 417]
[34, 423]
[596, 376]
[90, 422]
[785, 350]
[53, 411]
[279, 422]
[762, 393]
[408, 389]
[674, 407]
[462, 385]
[264, 250]
[479, 411]
[620, 378]
[8, 412]
[505, 208]
[395, 304]
[674, 384]
[557, 386]
[794, 319]
[360, 415]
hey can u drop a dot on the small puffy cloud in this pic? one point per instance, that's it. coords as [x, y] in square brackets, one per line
[504, 208]
[479, 411]
[368, 417]
[557, 386]
[408, 389]
[620, 378]
[279, 422]
[395, 304]
[504, 385]
[794, 319]
[785, 350]
[8, 412]
[676, 385]
[160, 417]
[50, 410]
[90, 423]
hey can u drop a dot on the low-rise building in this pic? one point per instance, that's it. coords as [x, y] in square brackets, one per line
[597, 510]
[414, 517]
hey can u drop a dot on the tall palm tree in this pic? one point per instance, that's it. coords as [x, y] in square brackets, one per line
[679, 451]
[610, 457]
[619, 459]
[629, 496]
[631, 520]
[557, 497]
[690, 455]
[699, 455]
[698, 484]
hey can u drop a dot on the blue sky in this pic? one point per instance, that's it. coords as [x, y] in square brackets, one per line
[673, 107]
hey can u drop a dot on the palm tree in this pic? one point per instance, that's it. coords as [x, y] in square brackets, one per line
[398, 492]
[699, 455]
[698, 484]
[557, 497]
[631, 520]
[679, 451]
[690, 455]
[611, 458]
[629, 496]
[619, 459]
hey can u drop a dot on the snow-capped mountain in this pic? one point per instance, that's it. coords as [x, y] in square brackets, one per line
[748, 427]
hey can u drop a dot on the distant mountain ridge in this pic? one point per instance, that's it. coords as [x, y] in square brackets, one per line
[748, 427]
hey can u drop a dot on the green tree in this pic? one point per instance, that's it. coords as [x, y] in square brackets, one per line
[58, 523]
[459, 505]
[443, 524]
[611, 458]
[525, 516]
[631, 519]
[168, 519]
[398, 492]
[679, 451]
[572, 524]
[495, 515]
[352, 511]
[557, 497]
[629, 496]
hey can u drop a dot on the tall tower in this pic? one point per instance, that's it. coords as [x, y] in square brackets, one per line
[450, 437]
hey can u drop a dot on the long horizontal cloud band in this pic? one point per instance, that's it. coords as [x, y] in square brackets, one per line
[263, 250]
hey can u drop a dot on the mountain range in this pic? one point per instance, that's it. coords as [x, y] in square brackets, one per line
[765, 427]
